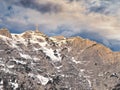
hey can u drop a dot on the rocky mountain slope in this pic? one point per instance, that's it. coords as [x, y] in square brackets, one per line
[34, 61]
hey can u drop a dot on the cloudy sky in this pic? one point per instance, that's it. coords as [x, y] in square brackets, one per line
[97, 20]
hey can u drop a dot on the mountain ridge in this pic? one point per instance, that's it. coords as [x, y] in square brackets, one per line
[6, 31]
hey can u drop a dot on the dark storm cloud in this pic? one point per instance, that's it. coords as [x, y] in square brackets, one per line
[114, 45]
[103, 6]
[98, 9]
[72, 0]
[47, 7]
[91, 35]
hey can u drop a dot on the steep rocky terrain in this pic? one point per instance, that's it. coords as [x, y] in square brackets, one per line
[34, 61]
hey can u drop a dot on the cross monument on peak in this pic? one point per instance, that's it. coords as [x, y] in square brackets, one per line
[37, 28]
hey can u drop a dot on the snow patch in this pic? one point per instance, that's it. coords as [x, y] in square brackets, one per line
[10, 66]
[50, 53]
[76, 62]
[90, 84]
[14, 45]
[69, 49]
[43, 44]
[82, 70]
[18, 61]
[59, 67]
[25, 56]
[1, 82]
[31, 75]
[36, 59]
[6, 70]
[15, 85]
[1, 64]
[1, 87]
[42, 79]
[1, 50]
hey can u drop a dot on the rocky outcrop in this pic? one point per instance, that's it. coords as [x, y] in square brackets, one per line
[80, 43]
[5, 32]
[90, 49]
[27, 34]
[59, 37]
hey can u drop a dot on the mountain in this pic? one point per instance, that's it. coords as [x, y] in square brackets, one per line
[33, 61]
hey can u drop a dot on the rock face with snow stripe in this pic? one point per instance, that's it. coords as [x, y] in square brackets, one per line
[34, 61]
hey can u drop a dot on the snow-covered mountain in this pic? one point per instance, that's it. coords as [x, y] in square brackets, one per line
[34, 61]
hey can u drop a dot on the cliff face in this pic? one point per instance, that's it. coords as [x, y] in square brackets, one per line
[34, 61]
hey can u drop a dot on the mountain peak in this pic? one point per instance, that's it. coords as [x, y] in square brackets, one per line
[5, 32]
[58, 63]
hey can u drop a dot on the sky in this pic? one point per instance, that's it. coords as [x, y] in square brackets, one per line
[97, 20]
